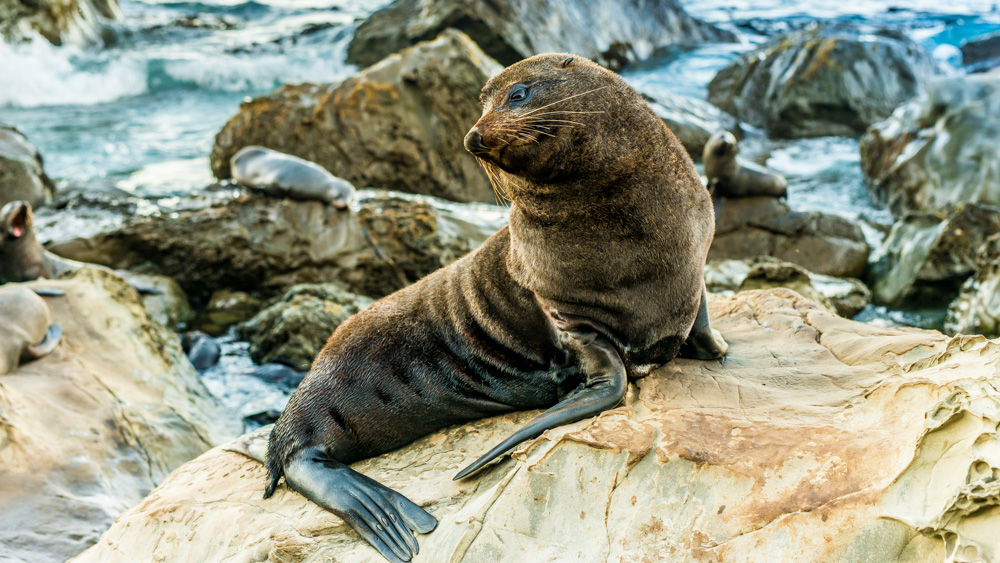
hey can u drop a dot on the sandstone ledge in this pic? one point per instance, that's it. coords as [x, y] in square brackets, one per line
[817, 438]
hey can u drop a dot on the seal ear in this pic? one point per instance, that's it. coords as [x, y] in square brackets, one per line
[566, 62]
[18, 221]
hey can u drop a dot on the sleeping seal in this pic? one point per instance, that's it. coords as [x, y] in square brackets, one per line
[598, 278]
[26, 332]
[282, 175]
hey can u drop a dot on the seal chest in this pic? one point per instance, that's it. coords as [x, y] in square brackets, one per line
[599, 272]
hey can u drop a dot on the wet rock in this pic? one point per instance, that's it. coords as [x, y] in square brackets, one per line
[203, 351]
[822, 81]
[91, 428]
[981, 53]
[282, 375]
[764, 226]
[77, 22]
[846, 297]
[928, 253]
[938, 151]
[226, 308]
[166, 303]
[263, 246]
[22, 176]
[691, 120]
[296, 326]
[610, 32]
[398, 125]
[977, 308]
[812, 439]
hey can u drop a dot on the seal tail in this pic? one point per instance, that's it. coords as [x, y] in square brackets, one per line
[275, 466]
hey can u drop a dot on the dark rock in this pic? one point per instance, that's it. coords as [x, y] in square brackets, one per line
[297, 325]
[764, 226]
[938, 151]
[282, 375]
[931, 251]
[977, 308]
[612, 32]
[981, 53]
[822, 81]
[22, 176]
[79, 22]
[692, 120]
[203, 351]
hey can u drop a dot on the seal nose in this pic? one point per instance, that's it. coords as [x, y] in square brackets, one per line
[474, 142]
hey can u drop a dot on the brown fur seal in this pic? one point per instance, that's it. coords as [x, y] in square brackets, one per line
[26, 333]
[597, 278]
[22, 257]
[730, 176]
[282, 175]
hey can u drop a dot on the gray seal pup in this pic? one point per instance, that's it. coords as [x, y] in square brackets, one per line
[597, 279]
[731, 176]
[26, 332]
[282, 175]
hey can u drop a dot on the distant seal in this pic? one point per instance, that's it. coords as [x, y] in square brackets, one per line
[23, 258]
[597, 278]
[26, 332]
[282, 175]
[730, 176]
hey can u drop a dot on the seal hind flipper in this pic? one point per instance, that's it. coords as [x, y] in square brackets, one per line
[384, 518]
[604, 388]
[48, 344]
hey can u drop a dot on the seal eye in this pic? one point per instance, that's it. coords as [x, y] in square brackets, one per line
[518, 94]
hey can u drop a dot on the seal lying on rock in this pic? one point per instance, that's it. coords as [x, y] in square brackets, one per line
[282, 175]
[730, 176]
[597, 278]
[26, 332]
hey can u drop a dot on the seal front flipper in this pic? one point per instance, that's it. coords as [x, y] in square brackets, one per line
[605, 386]
[48, 344]
[383, 517]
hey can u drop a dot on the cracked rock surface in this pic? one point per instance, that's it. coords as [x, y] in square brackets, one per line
[818, 438]
[88, 430]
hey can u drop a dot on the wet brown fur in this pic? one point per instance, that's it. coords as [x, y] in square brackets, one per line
[609, 221]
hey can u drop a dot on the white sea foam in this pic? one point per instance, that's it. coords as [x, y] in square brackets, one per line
[239, 73]
[38, 74]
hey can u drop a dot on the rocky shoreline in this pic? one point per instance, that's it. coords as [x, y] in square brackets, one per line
[282, 274]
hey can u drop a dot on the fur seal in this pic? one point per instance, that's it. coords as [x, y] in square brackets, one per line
[597, 278]
[23, 258]
[26, 332]
[731, 176]
[282, 175]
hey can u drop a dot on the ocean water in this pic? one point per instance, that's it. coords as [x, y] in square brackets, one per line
[141, 113]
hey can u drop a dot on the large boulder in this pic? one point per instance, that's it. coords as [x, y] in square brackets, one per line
[818, 439]
[90, 429]
[263, 246]
[398, 125]
[612, 32]
[977, 308]
[765, 226]
[691, 120]
[22, 176]
[77, 22]
[822, 81]
[940, 150]
[296, 327]
[844, 296]
[982, 52]
[930, 253]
